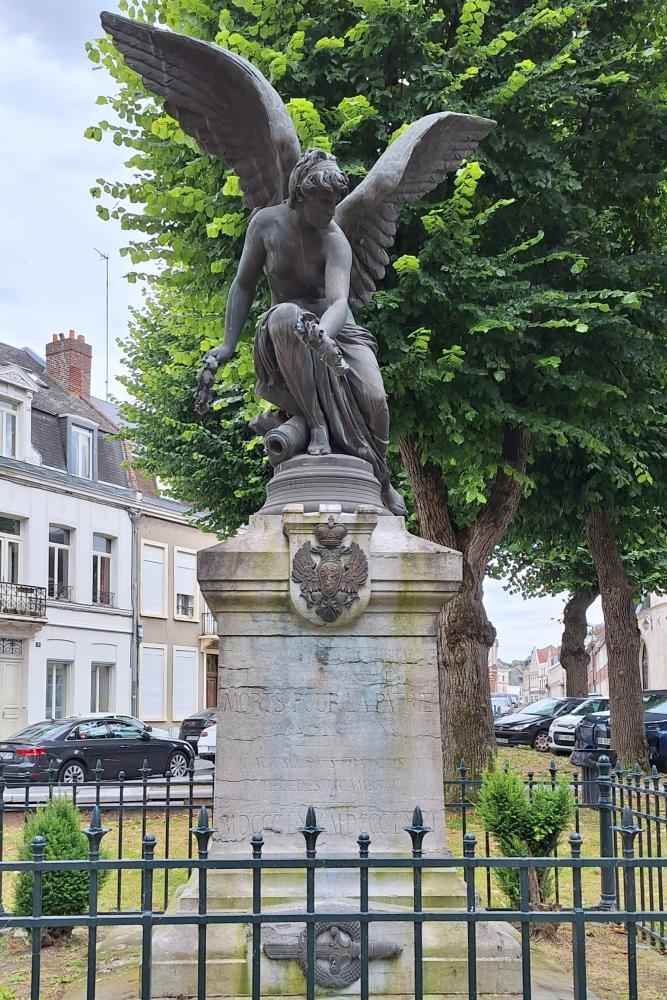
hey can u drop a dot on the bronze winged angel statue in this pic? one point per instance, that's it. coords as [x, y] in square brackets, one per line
[322, 247]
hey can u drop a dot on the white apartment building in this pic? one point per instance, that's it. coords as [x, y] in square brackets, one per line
[72, 519]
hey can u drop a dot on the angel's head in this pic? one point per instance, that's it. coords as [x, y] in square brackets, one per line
[316, 185]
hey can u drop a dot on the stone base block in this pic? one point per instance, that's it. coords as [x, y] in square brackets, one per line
[229, 946]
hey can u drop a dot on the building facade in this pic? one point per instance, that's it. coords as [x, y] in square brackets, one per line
[73, 519]
[652, 621]
[652, 665]
[536, 674]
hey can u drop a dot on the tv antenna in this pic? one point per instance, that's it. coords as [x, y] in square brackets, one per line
[105, 258]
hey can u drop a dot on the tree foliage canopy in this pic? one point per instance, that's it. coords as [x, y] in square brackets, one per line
[525, 292]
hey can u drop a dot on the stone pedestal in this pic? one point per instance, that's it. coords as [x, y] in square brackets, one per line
[341, 715]
[328, 697]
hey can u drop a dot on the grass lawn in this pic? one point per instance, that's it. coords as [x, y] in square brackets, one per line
[64, 963]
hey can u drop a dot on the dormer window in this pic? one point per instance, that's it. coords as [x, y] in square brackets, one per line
[82, 452]
[8, 418]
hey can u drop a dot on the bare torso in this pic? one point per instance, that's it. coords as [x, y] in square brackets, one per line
[296, 258]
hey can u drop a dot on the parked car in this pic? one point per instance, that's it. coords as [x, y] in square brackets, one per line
[530, 725]
[73, 747]
[133, 722]
[562, 730]
[502, 703]
[194, 725]
[594, 732]
[207, 742]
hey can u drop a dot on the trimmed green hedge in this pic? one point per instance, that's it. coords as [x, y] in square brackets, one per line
[63, 893]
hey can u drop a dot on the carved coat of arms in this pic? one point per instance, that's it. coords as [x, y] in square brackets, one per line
[331, 583]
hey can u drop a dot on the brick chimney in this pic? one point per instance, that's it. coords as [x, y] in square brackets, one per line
[68, 360]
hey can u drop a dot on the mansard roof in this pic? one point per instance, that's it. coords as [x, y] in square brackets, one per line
[51, 401]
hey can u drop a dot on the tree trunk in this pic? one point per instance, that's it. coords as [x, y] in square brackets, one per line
[465, 634]
[573, 655]
[623, 642]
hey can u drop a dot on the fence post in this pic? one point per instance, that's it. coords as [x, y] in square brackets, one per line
[469, 842]
[364, 842]
[2, 827]
[463, 771]
[417, 832]
[628, 832]
[579, 926]
[257, 843]
[311, 832]
[94, 833]
[607, 871]
[37, 849]
[148, 854]
[203, 832]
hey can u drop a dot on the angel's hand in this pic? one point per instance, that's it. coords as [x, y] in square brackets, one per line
[309, 330]
[206, 376]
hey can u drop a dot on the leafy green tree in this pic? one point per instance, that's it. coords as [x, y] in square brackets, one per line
[503, 287]
[548, 551]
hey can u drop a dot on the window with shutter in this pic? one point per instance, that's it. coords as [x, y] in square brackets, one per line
[151, 683]
[153, 566]
[185, 582]
[184, 683]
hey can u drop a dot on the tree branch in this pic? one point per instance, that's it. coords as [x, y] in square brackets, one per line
[496, 515]
[430, 496]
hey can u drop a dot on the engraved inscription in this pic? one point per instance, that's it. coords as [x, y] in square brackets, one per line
[256, 701]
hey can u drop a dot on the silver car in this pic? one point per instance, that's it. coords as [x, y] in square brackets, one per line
[562, 729]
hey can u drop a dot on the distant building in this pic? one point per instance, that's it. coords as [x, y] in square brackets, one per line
[493, 667]
[81, 627]
[536, 673]
[652, 665]
[508, 679]
[598, 674]
[652, 621]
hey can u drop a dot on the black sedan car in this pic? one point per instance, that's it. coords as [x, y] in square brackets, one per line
[194, 726]
[72, 748]
[530, 725]
[594, 732]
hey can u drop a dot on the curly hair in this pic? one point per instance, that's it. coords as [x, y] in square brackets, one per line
[316, 171]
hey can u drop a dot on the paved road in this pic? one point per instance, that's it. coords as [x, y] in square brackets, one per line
[132, 791]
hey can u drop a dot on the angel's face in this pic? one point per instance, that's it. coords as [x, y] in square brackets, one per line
[317, 208]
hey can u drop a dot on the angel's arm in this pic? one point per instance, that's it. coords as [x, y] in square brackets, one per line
[244, 285]
[336, 283]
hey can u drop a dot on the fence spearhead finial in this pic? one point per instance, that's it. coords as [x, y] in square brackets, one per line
[311, 832]
[203, 832]
[417, 831]
[95, 832]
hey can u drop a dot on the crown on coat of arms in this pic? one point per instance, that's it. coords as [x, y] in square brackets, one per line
[330, 535]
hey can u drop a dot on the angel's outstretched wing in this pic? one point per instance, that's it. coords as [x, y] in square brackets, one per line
[218, 98]
[411, 167]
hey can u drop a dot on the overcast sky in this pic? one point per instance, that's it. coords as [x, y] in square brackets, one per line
[51, 278]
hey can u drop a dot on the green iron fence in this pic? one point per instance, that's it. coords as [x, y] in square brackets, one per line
[628, 866]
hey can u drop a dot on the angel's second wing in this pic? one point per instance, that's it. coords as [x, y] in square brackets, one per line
[408, 169]
[220, 99]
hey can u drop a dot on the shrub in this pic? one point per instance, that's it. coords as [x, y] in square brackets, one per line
[524, 826]
[66, 892]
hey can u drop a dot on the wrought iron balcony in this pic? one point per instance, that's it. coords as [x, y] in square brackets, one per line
[21, 599]
[59, 591]
[208, 624]
[104, 597]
